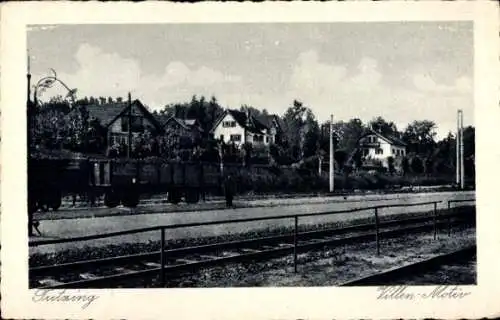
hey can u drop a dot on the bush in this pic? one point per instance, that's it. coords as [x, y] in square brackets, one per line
[417, 165]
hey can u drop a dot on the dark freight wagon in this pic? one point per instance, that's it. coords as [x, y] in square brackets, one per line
[119, 181]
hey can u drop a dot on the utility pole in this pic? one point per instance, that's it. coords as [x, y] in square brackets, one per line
[457, 140]
[459, 149]
[28, 104]
[29, 131]
[331, 155]
[129, 148]
[320, 163]
[462, 171]
[28, 75]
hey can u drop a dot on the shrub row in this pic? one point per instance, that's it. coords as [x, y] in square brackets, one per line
[301, 181]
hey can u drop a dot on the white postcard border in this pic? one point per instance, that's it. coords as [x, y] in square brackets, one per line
[253, 302]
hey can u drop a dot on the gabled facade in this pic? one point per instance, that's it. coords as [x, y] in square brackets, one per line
[376, 146]
[178, 128]
[241, 127]
[119, 119]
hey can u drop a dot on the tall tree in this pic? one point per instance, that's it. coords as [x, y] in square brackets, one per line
[311, 135]
[294, 121]
[420, 136]
[350, 133]
[384, 127]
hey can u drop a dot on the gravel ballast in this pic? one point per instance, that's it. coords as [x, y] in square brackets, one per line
[334, 266]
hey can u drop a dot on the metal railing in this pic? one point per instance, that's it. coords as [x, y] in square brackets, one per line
[454, 208]
[293, 217]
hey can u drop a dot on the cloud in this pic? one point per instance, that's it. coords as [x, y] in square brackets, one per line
[106, 74]
[310, 76]
[360, 91]
[426, 83]
[368, 74]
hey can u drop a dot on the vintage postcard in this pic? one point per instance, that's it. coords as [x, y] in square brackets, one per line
[271, 160]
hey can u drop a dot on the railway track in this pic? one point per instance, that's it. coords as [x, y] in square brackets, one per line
[113, 271]
[399, 274]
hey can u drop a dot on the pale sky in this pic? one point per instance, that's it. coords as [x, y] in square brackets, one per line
[402, 71]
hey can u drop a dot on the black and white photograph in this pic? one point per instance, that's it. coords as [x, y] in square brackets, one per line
[275, 154]
[231, 155]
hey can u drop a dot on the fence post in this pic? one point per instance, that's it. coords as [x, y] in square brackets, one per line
[162, 258]
[449, 218]
[295, 236]
[377, 231]
[435, 220]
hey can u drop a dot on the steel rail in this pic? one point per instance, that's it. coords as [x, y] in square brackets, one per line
[413, 268]
[240, 257]
[230, 244]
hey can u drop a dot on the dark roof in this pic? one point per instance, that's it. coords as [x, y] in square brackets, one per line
[239, 116]
[162, 117]
[389, 138]
[108, 113]
[188, 124]
[253, 125]
[269, 119]
[256, 124]
[105, 113]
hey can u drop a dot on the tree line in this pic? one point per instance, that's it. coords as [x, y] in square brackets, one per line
[302, 140]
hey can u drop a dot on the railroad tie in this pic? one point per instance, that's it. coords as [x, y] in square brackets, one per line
[123, 270]
[152, 264]
[284, 245]
[207, 257]
[49, 282]
[88, 276]
[229, 254]
[248, 250]
[268, 247]
[185, 261]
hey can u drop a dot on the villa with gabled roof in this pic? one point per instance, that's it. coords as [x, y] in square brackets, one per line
[241, 127]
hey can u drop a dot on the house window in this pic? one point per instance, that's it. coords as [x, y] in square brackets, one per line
[222, 137]
[267, 139]
[235, 137]
[379, 151]
[137, 123]
[229, 124]
[124, 124]
[393, 151]
[258, 138]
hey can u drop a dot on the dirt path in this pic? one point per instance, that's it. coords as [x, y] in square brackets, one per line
[67, 228]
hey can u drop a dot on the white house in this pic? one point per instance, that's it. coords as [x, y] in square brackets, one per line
[376, 146]
[240, 127]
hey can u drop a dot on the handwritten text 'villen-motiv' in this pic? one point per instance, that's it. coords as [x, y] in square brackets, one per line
[413, 293]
